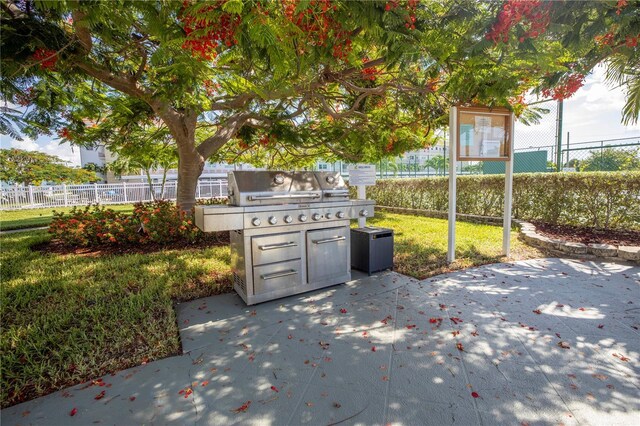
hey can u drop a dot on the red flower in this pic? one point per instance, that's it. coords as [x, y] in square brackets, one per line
[46, 57]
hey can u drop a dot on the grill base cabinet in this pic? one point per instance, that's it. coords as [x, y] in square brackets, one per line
[289, 262]
[372, 249]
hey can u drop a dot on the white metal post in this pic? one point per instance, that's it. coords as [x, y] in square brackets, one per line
[362, 195]
[95, 192]
[451, 247]
[31, 195]
[508, 196]
[66, 197]
[124, 191]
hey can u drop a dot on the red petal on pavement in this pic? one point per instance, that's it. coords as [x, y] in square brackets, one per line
[99, 396]
[132, 398]
[73, 412]
[475, 394]
[275, 389]
[343, 311]
[373, 348]
[242, 408]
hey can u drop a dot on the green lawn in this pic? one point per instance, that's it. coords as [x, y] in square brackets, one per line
[31, 218]
[70, 318]
[421, 244]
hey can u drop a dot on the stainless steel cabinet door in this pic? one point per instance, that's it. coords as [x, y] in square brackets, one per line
[327, 254]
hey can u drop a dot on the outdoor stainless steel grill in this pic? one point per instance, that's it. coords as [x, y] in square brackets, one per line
[289, 231]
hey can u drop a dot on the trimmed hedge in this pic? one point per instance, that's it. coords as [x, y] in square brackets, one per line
[609, 200]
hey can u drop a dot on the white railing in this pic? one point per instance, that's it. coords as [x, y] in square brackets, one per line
[28, 197]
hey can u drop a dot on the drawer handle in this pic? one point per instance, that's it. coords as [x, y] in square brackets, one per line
[277, 246]
[278, 274]
[330, 240]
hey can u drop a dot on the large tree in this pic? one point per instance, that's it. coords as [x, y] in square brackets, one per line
[282, 82]
[33, 168]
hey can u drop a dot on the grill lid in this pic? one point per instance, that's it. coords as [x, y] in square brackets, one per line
[250, 188]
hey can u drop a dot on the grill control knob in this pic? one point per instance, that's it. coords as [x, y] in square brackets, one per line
[255, 221]
[273, 220]
[340, 215]
[330, 179]
[316, 216]
[364, 213]
[288, 219]
[328, 215]
[302, 218]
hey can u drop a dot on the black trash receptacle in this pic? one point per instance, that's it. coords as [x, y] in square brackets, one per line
[371, 249]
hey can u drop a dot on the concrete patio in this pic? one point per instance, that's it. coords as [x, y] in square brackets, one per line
[545, 341]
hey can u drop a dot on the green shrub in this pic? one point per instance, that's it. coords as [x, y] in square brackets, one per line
[159, 222]
[94, 226]
[609, 200]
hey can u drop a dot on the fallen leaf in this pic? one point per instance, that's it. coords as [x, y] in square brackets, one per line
[275, 389]
[537, 311]
[324, 345]
[337, 405]
[73, 412]
[410, 326]
[621, 357]
[475, 394]
[309, 404]
[385, 378]
[456, 320]
[373, 348]
[205, 383]
[455, 333]
[559, 305]
[563, 345]
[252, 313]
[610, 387]
[289, 337]
[601, 326]
[99, 396]
[600, 377]
[242, 408]
[132, 398]
[343, 311]
[474, 333]
[460, 347]
[443, 307]
[581, 309]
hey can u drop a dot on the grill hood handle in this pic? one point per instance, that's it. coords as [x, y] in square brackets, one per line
[284, 196]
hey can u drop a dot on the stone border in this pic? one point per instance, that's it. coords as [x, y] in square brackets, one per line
[528, 234]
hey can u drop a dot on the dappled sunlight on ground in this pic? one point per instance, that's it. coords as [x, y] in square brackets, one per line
[535, 342]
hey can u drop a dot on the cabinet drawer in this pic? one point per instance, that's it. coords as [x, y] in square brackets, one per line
[277, 276]
[276, 248]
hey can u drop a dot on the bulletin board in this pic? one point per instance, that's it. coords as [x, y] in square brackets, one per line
[483, 134]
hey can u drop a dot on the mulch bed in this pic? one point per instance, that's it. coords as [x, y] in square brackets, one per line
[56, 247]
[588, 235]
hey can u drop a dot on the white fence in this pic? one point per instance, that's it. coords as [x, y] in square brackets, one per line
[29, 197]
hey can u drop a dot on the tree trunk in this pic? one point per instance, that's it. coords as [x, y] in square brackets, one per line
[190, 166]
[150, 183]
[164, 181]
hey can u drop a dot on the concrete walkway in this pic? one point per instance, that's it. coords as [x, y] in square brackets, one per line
[545, 341]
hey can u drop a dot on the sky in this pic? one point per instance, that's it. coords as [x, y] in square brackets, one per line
[592, 113]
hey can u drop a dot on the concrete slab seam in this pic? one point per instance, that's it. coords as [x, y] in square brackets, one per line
[385, 412]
